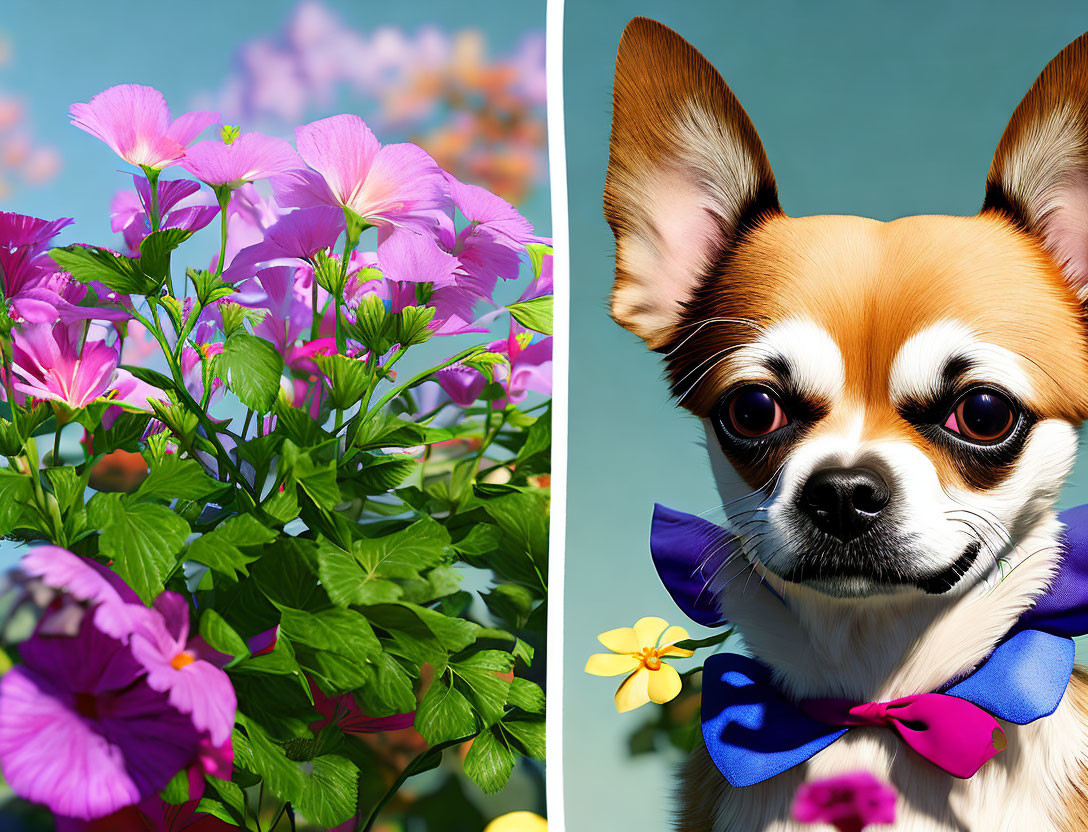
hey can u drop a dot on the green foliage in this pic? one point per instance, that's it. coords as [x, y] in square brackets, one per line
[251, 367]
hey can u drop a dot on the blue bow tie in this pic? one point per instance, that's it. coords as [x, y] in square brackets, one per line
[753, 732]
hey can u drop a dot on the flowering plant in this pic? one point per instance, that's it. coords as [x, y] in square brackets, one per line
[253, 557]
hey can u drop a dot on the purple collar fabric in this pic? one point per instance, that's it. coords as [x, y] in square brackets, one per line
[688, 551]
[753, 732]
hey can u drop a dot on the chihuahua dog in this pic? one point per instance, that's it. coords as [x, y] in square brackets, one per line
[903, 398]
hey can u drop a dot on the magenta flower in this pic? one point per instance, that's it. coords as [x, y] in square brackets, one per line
[196, 687]
[135, 122]
[249, 157]
[152, 815]
[530, 365]
[407, 256]
[398, 184]
[56, 296]
[294, 237]
[344, 712]
[56, 363]
[849, 802]
[82, 732]
[181, 205]
[23, 241]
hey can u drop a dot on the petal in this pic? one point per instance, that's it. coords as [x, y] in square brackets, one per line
[648, 630]
[341, 148]
[673, 635]
[610, 664]
[634, 692]
[404, 255]
[620, 640]
[664, 684]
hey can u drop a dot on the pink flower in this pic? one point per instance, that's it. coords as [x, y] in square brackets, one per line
[196, 687]
[249, 157]
[294, 237]
[135, 122]
[279, 292]
[249, 215]
[51, 363]
[408, 256]
[530, 365]
[152, 815]
[181, 205]
[82, 732]
[398, 184]
[849, 802]
[344, 712]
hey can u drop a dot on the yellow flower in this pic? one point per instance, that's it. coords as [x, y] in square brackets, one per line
[639, 650]
[518, 822]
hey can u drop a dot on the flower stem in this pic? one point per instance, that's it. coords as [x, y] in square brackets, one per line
[222, 194]
[56, 446]
[315, 325]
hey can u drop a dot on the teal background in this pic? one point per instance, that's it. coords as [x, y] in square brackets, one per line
[864, 108]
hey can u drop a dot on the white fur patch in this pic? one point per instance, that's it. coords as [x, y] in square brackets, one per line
[917, 371]
[813, 356]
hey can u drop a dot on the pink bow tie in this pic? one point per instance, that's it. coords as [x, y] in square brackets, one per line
[950, 732]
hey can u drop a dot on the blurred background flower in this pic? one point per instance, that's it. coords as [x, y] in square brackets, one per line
[24, 162]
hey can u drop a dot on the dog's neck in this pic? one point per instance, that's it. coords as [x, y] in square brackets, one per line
[890, 646]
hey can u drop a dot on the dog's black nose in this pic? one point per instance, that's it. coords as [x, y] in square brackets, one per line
[844, 502]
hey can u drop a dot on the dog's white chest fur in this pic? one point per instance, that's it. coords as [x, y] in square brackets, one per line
[1025, 788]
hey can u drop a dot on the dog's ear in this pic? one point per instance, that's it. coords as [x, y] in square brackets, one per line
[1039, 176]
[686, 175]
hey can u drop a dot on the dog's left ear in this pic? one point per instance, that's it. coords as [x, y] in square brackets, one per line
[1039, 176]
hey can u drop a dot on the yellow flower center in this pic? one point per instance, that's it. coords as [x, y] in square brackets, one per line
[182, 659]
[650, 658]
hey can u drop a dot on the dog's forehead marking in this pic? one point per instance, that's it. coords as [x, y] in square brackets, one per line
[813, 358]
[918, 368]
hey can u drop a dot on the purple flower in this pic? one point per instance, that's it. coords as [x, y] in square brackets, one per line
[135, 122]
[181, 205]
[249, 157]
[50, 573]
[174, 666]
[81, 730]
[849, 802]
[530, 365]
[278, 291]
[294, 237]
[462, 384]
[398, 184]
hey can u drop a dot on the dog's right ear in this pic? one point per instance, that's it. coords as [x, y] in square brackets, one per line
[687, 174]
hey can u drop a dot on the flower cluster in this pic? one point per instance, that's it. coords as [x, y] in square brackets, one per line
[254, 456]
[480, 117]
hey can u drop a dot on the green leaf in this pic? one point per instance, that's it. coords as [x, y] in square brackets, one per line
[318, 479]
[405, 553]
[510, 603]
[156, 248]
[390, 692]
[410, 325]
[223, 799]
[383, 473]
[348, 378]
[16, 496]
[142, 539]
[255, 751]
[481, 539]
[222, 547]
[386, 430]
[526, 695]
[535, 314]
[124, 434]
[444, 714]
[709, 641]
[537, 252]
[528, 735]
[251, 367]
[89, 263]
[489, 763]
[337, 630]
[177, 790]
[181, 479]
[480, 674]
[539, 437]
[328, 797]
[210, 287]
[221, 636]
[348, 583]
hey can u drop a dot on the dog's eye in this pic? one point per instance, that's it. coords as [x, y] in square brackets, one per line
[754, 411]
[982, 416]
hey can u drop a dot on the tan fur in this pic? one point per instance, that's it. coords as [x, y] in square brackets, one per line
[1076, 805]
